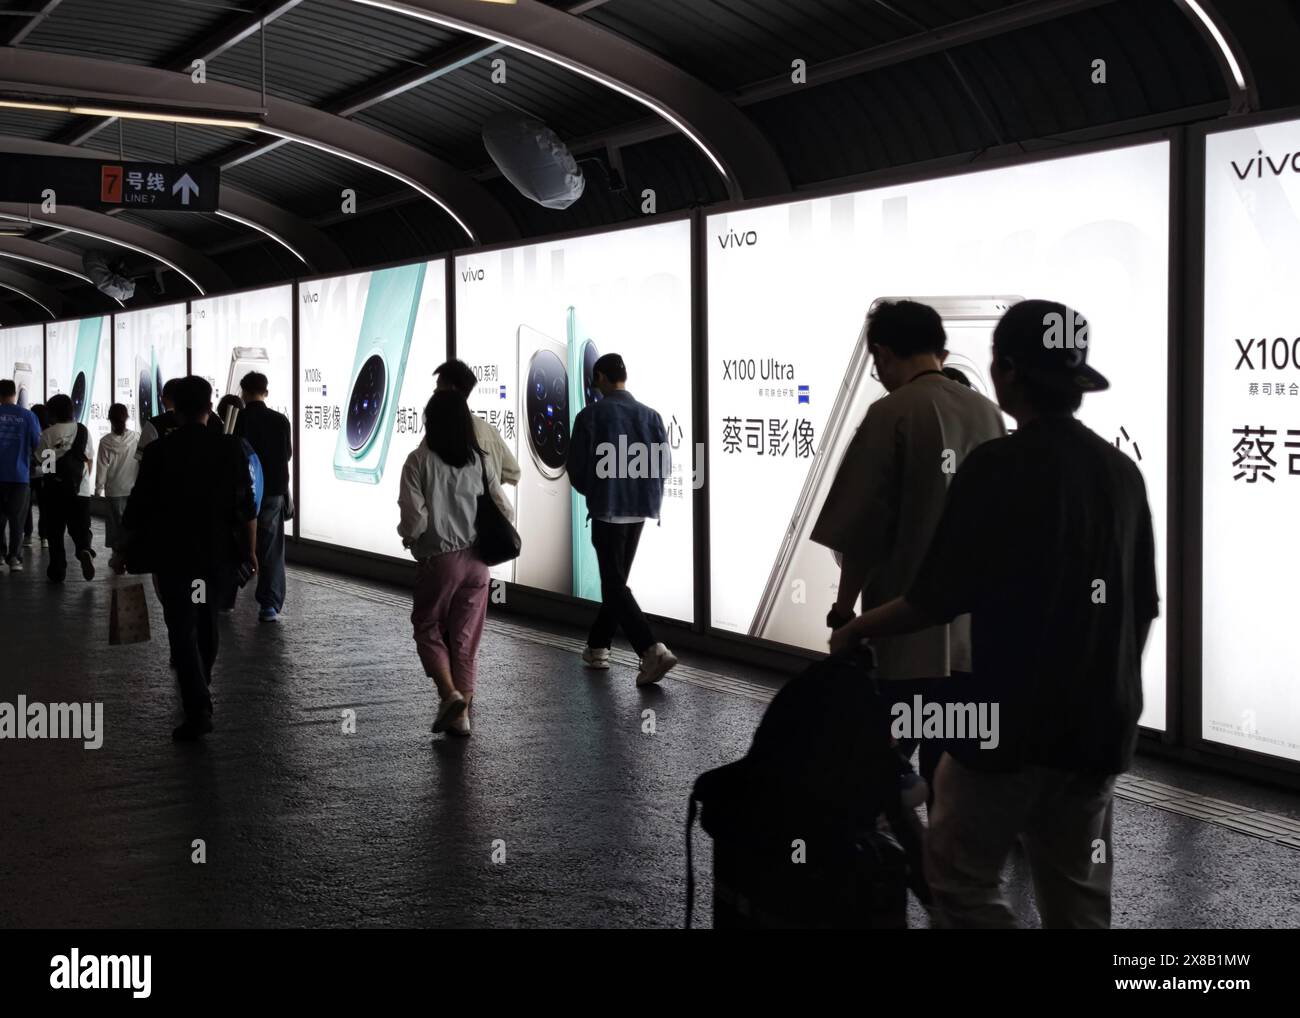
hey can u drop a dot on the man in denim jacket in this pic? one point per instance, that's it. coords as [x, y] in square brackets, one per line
[619, 459]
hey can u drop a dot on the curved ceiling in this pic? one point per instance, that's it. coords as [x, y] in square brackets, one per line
[694, 99]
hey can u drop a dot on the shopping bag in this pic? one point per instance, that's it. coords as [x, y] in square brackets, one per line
[128, 616]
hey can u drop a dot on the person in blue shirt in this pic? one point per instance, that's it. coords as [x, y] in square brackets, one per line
[19, 433]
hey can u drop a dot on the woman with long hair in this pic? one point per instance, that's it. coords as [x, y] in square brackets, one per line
[441, 483]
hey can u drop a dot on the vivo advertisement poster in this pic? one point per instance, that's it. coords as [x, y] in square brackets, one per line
[367, 347]
[22, 358]
[1250, 458]
[532, 321]
[148, 351]
[240, 333]
[789, 377]
[78, 363]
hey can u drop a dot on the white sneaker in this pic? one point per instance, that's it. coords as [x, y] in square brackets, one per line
[15, 565]
[448, 710]
[44, 543]
[596, 657]
[657, 662]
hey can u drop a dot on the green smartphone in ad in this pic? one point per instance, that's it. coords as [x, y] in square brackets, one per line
[85, 365]
[582, 358]
[375, 386]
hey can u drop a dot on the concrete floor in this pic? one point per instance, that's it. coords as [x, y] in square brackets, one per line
[306, 826]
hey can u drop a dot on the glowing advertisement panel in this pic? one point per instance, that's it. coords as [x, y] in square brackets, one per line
[234, 335]
[367, 347]
[148, 351]
[22, 358]
[1250, 459]
[531, 321]
[78, 355]
[789, 287]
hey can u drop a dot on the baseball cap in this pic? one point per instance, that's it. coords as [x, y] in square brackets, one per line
[1049, 343]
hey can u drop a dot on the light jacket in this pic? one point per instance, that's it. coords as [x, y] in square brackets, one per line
[439, 503]
[886, 501]
[619, 457]
[116, 466]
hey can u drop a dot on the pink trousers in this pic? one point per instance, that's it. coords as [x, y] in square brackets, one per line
[451, 596]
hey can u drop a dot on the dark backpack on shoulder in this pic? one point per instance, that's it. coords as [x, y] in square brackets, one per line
[70, 468]
[820, 773]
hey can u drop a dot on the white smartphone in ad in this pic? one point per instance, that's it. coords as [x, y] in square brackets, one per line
[780, 616]
[544, 507]
[23, 383]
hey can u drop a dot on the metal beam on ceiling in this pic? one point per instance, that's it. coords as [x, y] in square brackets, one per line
[202, 273]
[36, 11]
[747, 162]
[389, 86]
[41, 294]
[165, 94]
[211, 46]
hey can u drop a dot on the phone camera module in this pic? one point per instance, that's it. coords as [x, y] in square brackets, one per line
[78, 395]
[145, 397]
[590, 394]
[547, 402]
[366, 403]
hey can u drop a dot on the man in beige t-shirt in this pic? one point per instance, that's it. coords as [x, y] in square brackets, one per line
[886, 500]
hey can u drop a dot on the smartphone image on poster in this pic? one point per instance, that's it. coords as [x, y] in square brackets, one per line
[85, 363]
[244, 359]
[375, 387]
[968, 323]
[583, 355]
[544, 508]
[148, 392]
[23, 383]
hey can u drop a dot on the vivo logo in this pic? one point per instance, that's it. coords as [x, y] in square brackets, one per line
[472, 275]
[311, 298]
[1277, 167]
[734, 239]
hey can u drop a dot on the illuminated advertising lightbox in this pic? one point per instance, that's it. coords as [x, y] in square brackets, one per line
[531, 321]
[1250, 457]
[78, 355]
[22, 358]
[789, 378]
[367, 347]
[148, 351]
[240, 333]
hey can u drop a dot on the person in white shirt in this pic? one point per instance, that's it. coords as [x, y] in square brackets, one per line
[116, 468]
[438, 497]
[66, 496]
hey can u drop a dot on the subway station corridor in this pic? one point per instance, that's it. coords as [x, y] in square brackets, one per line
[306, 826]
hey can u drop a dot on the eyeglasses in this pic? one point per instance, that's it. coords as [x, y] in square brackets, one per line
[874, 369]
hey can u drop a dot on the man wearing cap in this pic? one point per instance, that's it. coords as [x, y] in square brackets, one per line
[1046, 540]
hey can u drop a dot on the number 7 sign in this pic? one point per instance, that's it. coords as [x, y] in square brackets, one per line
[110, 184]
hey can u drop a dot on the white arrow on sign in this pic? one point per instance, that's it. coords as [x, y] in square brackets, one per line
[186, 187]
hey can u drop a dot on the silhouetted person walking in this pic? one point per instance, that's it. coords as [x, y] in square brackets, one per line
[19, 435]
[1046, 540]
[190, 521]
[65, 457]
[608, 435]
[268, 432]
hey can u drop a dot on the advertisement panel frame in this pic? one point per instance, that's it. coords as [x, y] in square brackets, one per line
[1173, 603]
[1251, 763]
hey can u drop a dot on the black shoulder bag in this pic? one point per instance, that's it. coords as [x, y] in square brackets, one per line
[498, 540]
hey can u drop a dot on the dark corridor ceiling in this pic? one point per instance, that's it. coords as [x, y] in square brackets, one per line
[379, 101]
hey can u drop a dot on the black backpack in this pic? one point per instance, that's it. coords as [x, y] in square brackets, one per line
[821, 771]
[70, 468]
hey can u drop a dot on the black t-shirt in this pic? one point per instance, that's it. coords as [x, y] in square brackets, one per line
[267, 431]
[191, 498]
[1046, 541]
